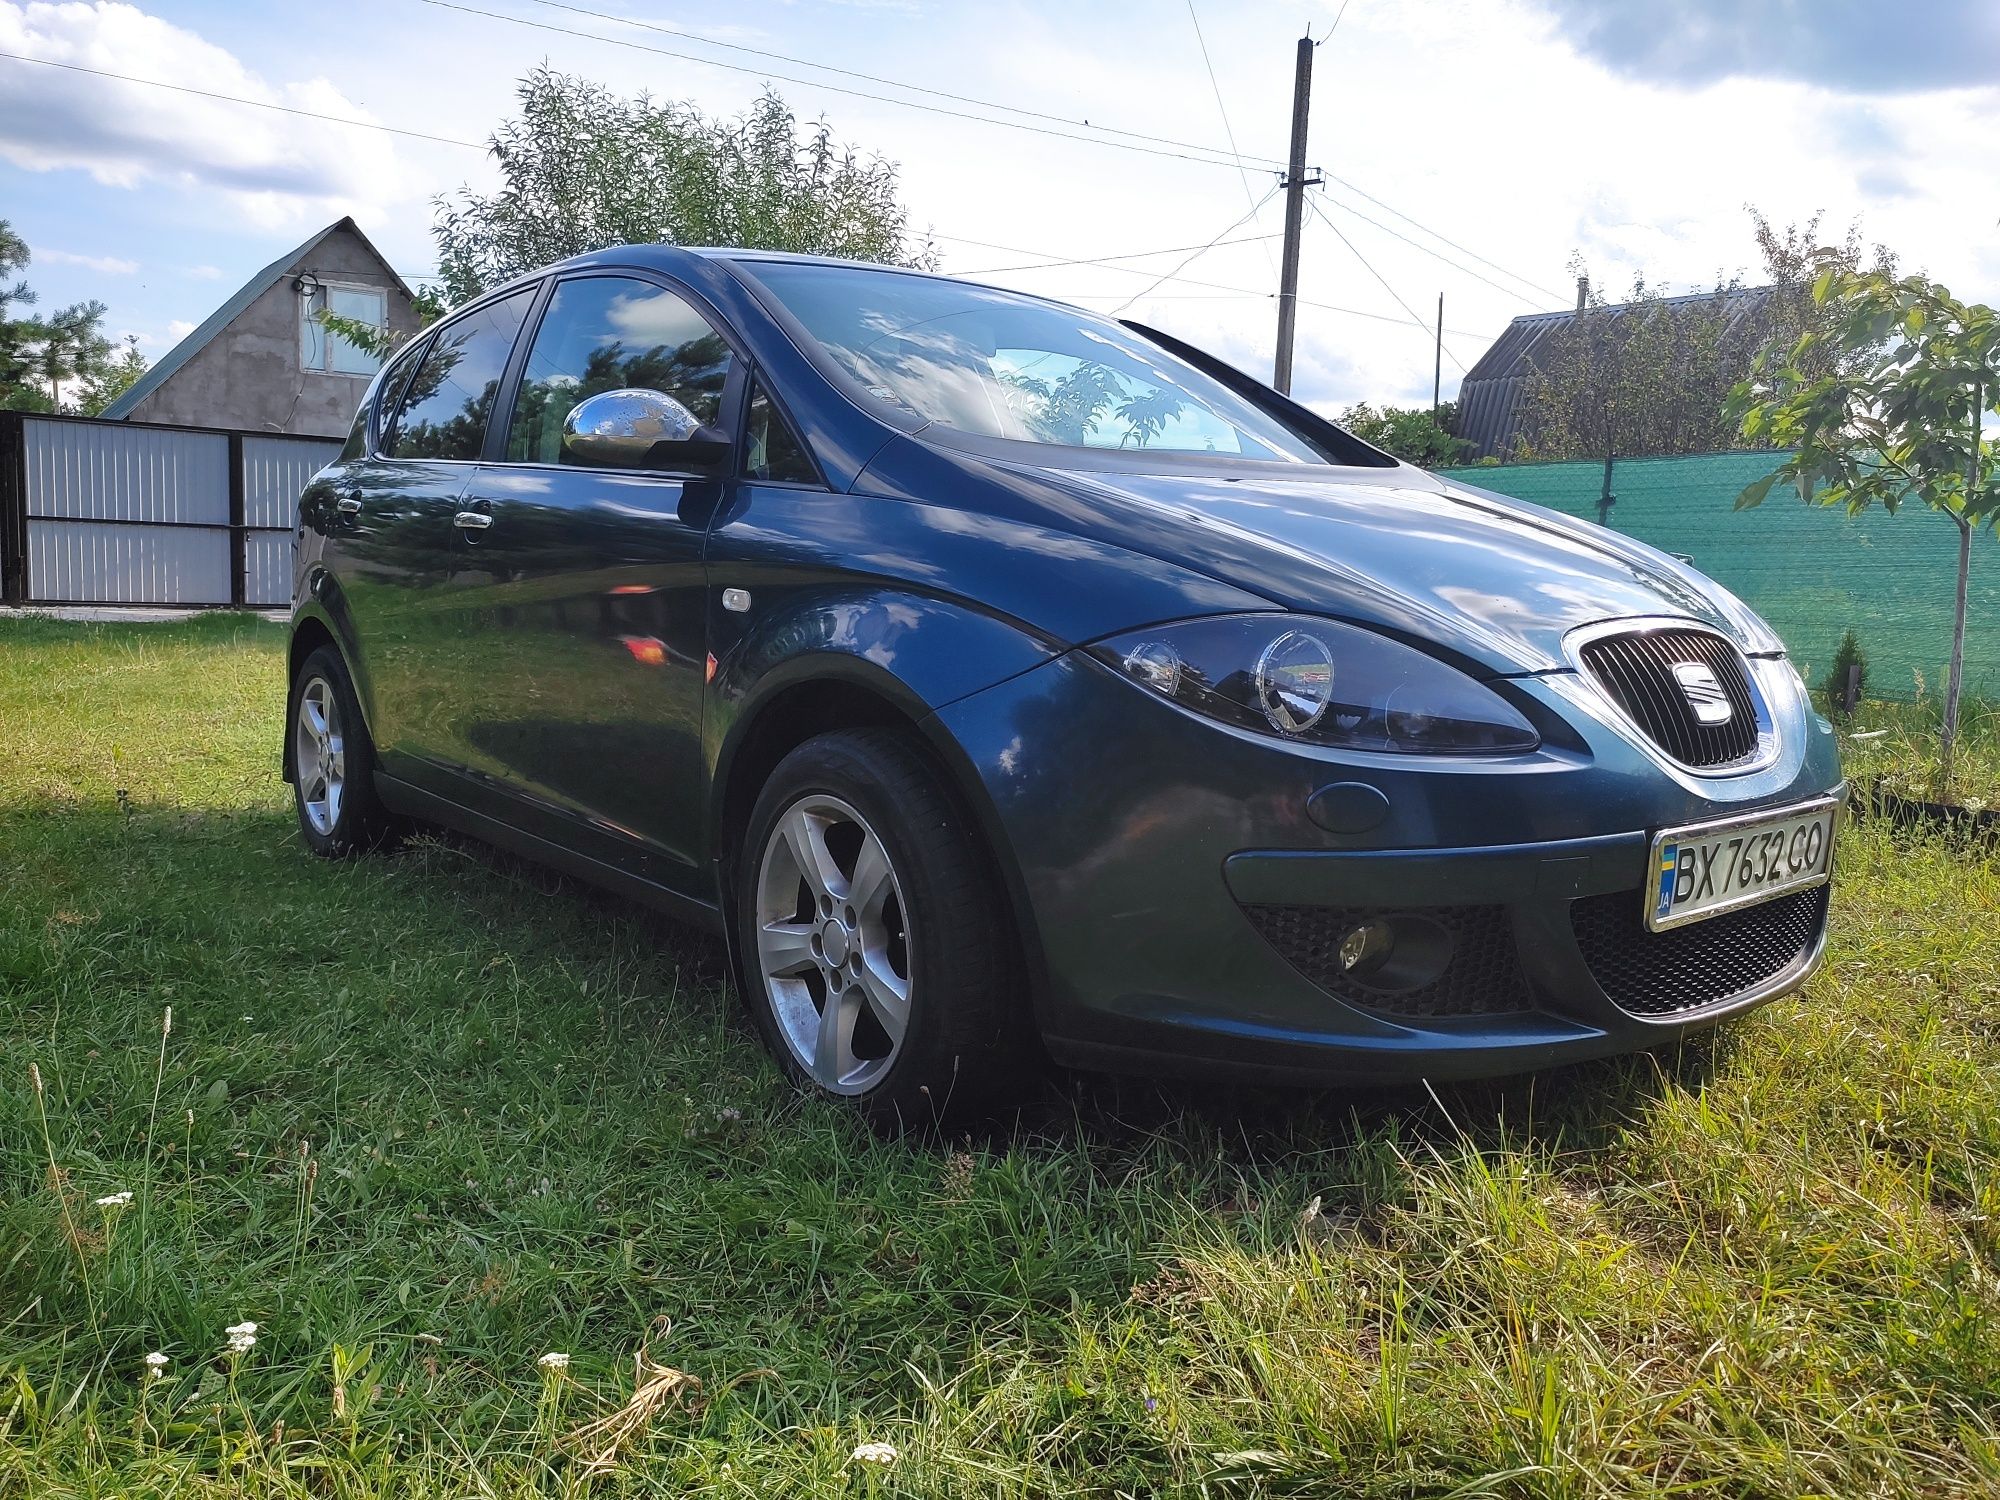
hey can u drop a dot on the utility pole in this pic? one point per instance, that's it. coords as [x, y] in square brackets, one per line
[1295, 209]
[1437, 361]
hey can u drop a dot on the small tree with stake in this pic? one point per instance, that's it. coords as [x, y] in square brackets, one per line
[1905, 422]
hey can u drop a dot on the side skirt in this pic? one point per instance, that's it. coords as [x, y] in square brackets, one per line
[415, 802]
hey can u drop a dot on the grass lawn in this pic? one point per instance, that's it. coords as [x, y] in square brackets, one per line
[425, 1118]
[1897, 748]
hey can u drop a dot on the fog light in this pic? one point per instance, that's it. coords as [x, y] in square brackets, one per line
[1366, 948]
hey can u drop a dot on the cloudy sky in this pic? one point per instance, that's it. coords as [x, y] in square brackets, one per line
[1471, 146]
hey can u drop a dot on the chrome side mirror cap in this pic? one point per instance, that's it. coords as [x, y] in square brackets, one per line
[638, 429]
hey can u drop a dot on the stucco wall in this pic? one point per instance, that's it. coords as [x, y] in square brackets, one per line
[248, 376]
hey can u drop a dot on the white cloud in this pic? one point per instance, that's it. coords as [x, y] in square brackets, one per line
[205, 273]
[277, 170]
[108, 265]
[179, 328]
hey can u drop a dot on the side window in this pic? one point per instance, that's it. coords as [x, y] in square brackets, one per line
[770, 450]
[356, 446]
[444, 412]
[608, 333]
[385, 398]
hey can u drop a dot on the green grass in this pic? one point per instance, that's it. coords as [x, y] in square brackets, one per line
[426, 1117]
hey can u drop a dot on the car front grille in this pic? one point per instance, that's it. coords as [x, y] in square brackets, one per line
[1705, 963]
[1637, 671]
[1481, 977]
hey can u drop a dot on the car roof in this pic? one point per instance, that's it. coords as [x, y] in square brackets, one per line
[670, 257]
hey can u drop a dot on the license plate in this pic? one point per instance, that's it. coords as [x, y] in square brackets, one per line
[1709, 868]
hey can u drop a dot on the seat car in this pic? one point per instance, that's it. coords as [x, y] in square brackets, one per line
[999, 678]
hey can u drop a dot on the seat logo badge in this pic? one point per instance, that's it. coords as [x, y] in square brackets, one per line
[1703, 693]
[736, 601]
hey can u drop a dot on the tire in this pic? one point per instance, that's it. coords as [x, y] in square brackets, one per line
[333, 761]
[930, 914]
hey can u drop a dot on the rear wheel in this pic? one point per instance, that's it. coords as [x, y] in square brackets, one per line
[877, 948]
[333, 761]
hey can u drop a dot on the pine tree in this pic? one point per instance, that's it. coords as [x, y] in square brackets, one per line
[1848, 655]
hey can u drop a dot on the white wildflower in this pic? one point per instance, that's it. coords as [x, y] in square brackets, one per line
[553, 1362]
[156, 1365]
[242, 1337]
[876, 1453]
[115, 1200]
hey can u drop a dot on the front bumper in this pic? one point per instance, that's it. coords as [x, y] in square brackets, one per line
[1169, 875]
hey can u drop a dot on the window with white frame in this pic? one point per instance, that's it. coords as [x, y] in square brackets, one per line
[326, 352]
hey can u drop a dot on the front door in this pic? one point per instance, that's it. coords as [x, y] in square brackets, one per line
[585, 594]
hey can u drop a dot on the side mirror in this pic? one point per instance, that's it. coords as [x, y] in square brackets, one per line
[636, 429]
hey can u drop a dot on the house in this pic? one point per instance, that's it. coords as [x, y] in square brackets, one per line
[1489, 399]
[262, 362]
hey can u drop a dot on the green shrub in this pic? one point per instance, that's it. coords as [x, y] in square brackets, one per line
[1848, 655]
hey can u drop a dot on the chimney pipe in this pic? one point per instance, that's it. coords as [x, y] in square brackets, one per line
[1582, 292]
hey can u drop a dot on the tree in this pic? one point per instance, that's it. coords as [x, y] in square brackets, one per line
[112, 377]
[1883, 402]
[586, 168]
[1651, 375]
[1409, 432]
[17, 333]
[1847, 657]
[72, 347]
[1793, 258]
[1637, 378]
[39, 356]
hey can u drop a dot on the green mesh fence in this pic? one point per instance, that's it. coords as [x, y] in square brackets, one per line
[1811, 571]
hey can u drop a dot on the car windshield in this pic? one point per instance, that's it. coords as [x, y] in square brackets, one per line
[997, 365]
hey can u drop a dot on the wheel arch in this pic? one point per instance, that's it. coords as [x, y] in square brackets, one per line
[315, 624]
[309, 633]
[823, 694]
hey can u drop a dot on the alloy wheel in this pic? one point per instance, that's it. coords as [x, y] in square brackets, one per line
[319, 754]
[833, 944]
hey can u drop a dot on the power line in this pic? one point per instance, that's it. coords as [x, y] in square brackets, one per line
[1216, 160]
[1103, 263]
[1222, 288]
[894, 83]
[1335, 26]
[1351, 312]
[1233, 156]
[1417, 321]
[1227, 129]
[1214, 155]
[283, 109]
[1101, 260]
[1555, 297]
[477, 146]
[1170, 275]
[1426, 249]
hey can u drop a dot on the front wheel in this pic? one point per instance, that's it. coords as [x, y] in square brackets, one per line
[877, 948]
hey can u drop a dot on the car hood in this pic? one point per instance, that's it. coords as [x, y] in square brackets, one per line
[1499, 581]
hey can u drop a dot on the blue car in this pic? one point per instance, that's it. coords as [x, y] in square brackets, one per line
[1004, 681]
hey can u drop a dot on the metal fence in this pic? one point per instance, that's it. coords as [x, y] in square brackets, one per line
[1813, 572]
[96, 512]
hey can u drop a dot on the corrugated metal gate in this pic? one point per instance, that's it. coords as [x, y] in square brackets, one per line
[128, 513]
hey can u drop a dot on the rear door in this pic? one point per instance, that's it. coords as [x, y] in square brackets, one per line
[402, 544]
[586, 590]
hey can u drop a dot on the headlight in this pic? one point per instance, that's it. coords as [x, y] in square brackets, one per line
[1321, 683]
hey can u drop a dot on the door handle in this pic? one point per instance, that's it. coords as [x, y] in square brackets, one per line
[472, 520]
[348, 505]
